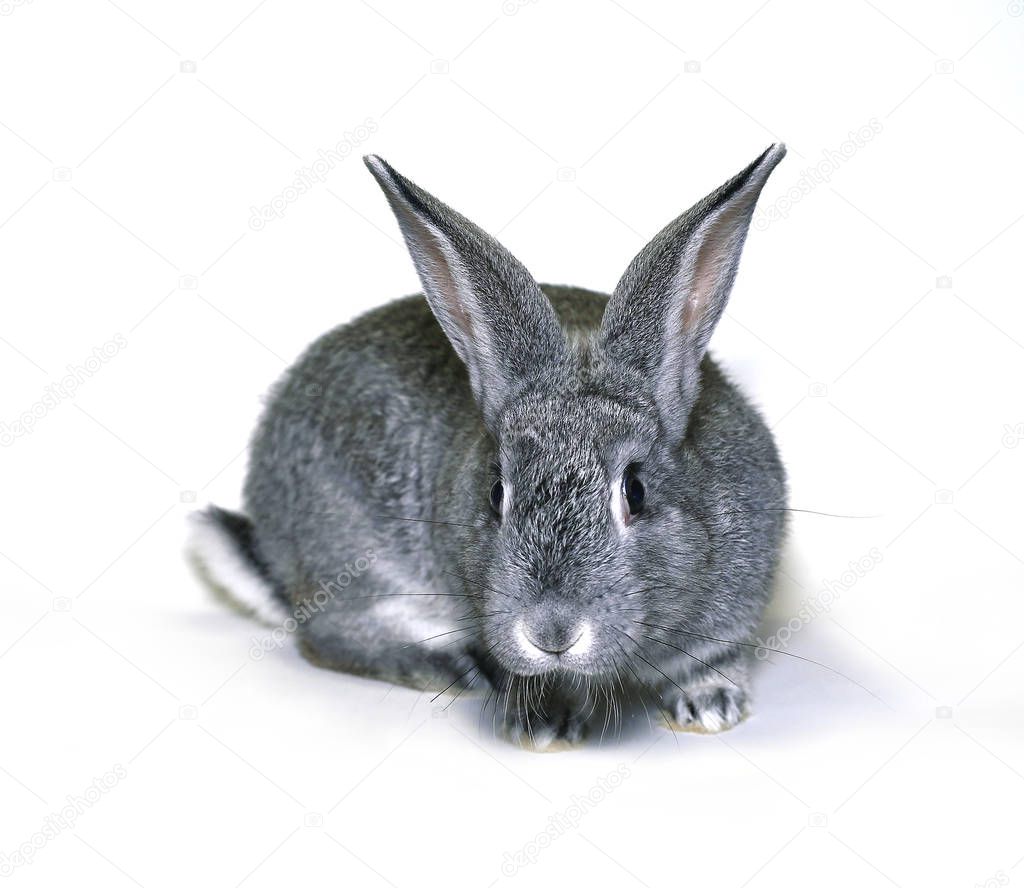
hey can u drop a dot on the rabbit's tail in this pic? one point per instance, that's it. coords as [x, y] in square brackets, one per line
[222, 547]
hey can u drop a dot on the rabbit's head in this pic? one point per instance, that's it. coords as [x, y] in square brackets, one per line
[581, 496]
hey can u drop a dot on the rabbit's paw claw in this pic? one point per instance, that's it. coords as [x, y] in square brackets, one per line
[554, 731]
[706, 708]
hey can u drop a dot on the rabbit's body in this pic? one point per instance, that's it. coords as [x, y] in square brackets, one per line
[423, 533]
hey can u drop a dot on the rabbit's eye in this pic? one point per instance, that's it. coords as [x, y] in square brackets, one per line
[633, 491]
[497, 496]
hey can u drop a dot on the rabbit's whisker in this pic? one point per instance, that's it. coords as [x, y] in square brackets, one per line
[607, 712]
[460, 691]
[439, 635]
[330, 513]
[780, 509]
[411, 594]
[481, 585]
[649, 663]
[691, 656]
[456, 681]
[488, 614]
[762, 647]
[462, 639]
[431, 521]
[644, 687]
[483, 709]
[641, 591]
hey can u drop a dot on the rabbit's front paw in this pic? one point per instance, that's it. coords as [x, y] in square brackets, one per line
[556, 727]
[706, 708]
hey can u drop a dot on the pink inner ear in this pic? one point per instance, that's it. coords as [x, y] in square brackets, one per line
[711, 266]
[438, 265]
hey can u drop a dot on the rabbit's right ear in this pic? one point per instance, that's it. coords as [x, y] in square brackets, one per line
[500, 323]
[665, 307]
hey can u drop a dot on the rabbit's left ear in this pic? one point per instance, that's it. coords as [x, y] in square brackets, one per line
[665, 307]
[493, 312]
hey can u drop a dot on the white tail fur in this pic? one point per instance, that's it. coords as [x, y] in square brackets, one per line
[225, 566]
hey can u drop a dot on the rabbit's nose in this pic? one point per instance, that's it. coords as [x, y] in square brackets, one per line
[552, 633]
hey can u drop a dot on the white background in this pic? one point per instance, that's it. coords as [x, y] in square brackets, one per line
[877, 321]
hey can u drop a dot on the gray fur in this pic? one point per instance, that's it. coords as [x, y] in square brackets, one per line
[371, 469]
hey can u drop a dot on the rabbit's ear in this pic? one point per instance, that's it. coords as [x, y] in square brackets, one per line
[500, 323]
[665, 307]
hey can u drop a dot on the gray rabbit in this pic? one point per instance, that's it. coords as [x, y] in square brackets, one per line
[541, 491]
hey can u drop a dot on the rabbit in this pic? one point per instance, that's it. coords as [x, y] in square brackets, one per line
[541, 491]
